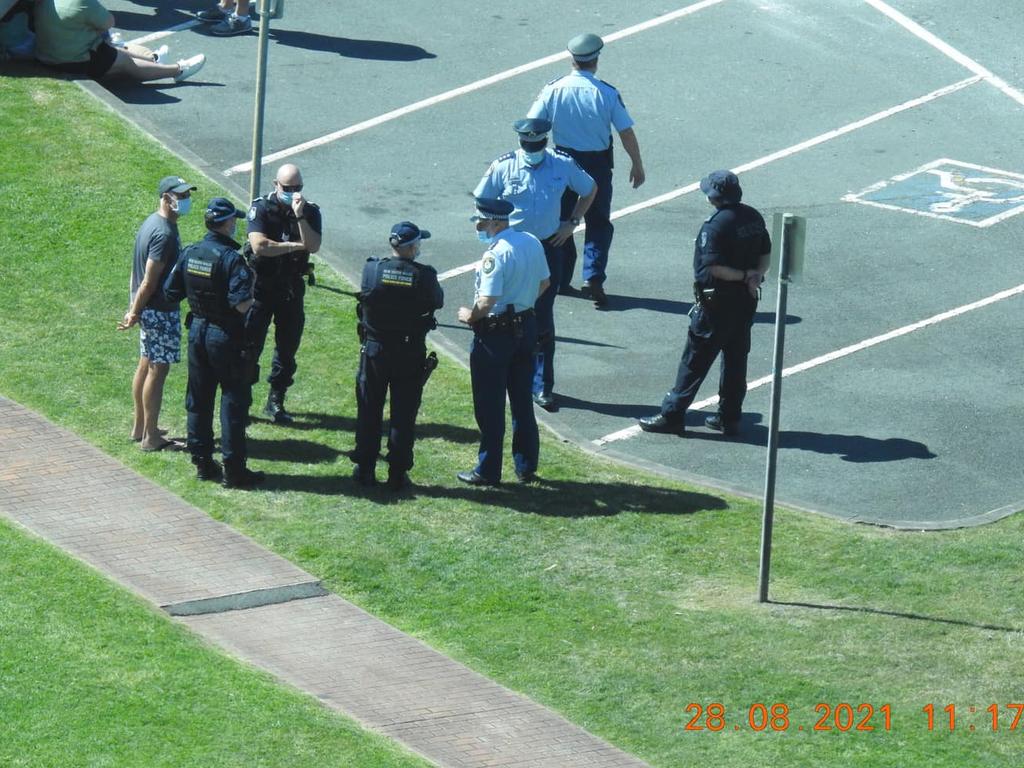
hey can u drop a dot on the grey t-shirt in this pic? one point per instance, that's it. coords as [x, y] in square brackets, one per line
[157, 240]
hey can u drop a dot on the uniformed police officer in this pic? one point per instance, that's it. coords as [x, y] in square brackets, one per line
[583, 110]
[219, 286]
[397, 300]
[284, 229]
[511, 275]
[534, 178]
[730, 258]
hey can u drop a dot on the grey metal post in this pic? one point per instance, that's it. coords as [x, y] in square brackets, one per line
[261, 95]
[768, 515]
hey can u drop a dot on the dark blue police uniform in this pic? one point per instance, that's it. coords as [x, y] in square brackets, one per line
[215, 278]
[397, 301]
[280, 288]
[733, 236]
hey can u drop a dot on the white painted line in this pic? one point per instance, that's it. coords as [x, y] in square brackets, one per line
[839, 353]
[962, 59]
[165, 33]
[789, 151]
[457, 271]
[782, 153]
[463, 90]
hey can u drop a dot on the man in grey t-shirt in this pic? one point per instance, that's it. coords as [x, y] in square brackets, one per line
[156, 251]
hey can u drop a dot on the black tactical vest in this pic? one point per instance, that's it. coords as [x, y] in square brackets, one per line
[206, 286]
[391, 300]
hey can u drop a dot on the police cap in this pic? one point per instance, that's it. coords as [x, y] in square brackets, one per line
[722, 187]
[406, 233]
[586, 47]
[221, 209]
[532, 129]
[491, 208]
[174, 184]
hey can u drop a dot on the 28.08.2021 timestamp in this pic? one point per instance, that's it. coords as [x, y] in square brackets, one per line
[778, 717]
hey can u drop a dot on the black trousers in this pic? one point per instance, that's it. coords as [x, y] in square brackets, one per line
[725, 329]
[213, 361]
[289, 317]
[395, 366]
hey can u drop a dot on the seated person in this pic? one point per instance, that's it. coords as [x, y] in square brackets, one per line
[73, 36]
[17, 40]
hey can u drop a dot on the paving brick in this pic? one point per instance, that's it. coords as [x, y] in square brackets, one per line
[149, 540]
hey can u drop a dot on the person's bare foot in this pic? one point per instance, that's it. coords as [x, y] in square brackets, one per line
[137, 438]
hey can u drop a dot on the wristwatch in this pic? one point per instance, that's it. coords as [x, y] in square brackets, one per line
[575, 221]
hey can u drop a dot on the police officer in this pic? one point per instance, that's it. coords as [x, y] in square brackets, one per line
[534, 178]
[583, 110]
[219, 286]
[397, 300]
[730, 258]
[284, 229]
[511, 275]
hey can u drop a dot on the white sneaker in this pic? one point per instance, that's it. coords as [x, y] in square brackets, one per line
[189, 67]
[159, 53]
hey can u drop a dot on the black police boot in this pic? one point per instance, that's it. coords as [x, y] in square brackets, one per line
[717, 423]
[547, 402]
[595, 292]
[663, 424]
[207, 468]
[237, 475]
[364, 475]
[474, 478]
[275, 408]
[398, 480]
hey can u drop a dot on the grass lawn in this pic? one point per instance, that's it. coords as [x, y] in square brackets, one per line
[615, 597]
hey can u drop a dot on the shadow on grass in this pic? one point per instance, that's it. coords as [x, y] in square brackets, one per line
[309, 420]
[897, 615]
[290, 449]
[548, 498]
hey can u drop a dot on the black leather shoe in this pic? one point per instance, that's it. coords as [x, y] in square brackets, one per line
[547, 402]
[207, 469]
[526, 477]
[274, 409]
[242, 479]
[474, 478]
[398, 481]
[364, 475]
[596, 293]
[661, 423]
[715, 422]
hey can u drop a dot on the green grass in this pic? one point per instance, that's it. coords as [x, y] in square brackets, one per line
[613, 596]
[91, 676]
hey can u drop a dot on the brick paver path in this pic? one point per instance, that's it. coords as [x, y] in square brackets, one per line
[177, 557]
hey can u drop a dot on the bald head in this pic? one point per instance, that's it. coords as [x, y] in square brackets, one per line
[289, 175]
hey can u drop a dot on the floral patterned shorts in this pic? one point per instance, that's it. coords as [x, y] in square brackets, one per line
[160, 336]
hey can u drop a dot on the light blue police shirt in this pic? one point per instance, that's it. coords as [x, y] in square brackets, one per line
[535, 191]
[581, 109]
[512, 270]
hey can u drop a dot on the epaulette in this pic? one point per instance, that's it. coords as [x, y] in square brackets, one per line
[560, 151]
[552, 82]
[608, 84]
[373, 258]
[506, 156]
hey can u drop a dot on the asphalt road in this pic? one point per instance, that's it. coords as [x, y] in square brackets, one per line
[919, 430]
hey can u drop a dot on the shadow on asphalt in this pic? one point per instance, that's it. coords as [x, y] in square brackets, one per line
[157, 21]
[620, 303]
[374, 50]
[857, 449]
[898, 615]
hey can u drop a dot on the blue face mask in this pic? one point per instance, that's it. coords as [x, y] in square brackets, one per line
[534, 158]
[181, 205]
[483, 237]
[285, 197]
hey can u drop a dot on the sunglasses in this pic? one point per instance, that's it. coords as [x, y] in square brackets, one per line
[289, 187]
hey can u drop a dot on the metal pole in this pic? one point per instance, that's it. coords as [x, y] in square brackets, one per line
[768, 515]
[261, 94]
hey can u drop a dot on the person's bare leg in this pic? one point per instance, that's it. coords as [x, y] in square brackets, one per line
[242, 8]
[139, 52]
[138, 69]
[152, 399]
[138, 383]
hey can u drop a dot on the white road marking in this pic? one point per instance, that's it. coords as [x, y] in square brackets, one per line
[960, 58]
[623, 434]
[463, 90]
[779, 155]
[166, 32]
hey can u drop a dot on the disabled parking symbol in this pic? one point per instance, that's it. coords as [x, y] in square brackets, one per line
[951, 190]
